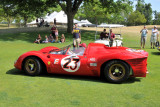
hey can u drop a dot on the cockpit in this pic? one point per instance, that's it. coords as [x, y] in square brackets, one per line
[68, 50]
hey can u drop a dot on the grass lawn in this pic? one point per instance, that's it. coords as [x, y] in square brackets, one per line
[20, 90]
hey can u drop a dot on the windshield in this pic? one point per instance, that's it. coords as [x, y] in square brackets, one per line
[62, 50]
[76, 51]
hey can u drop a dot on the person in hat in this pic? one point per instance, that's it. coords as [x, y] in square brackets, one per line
[154, 37]
[76, 36]
[143, 32]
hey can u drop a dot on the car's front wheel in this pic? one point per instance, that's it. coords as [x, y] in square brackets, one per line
[32, 66]
[116, 71]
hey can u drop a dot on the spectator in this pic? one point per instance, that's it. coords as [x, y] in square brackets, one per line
[111, 37]
[55, 21]
[103, 35]
[37, 22]
[46, 39]
[154, 37]
[62, 40]
[41, 22]
[51, 39]
[53, 29]
[56, 34]
[143, 36]
[38, 40]
[76, 36]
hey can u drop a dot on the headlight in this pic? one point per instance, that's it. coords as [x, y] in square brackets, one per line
[134, 50]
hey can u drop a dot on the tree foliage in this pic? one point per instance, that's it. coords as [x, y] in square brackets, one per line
[145, 9]
[156, 21]
[7, 11]
[96, 13]
[136, 18]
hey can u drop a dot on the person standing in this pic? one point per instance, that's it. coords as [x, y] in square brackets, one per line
[103, 35]
[55, 21]
[76, 36]
[37, 22]
[53, 29]
[143, 32]
[111, 37]
[56, 34]
[154, 37]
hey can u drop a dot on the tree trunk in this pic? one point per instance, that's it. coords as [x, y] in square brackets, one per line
[25, 21]
[8, 22]
[70, 17]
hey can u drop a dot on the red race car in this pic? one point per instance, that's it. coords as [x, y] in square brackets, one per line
[115, 64]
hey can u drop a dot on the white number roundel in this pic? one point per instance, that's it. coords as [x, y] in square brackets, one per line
[70, 63]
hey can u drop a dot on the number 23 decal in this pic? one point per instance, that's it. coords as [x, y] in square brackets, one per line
[70, 64]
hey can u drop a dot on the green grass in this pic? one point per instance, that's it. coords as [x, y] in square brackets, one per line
[20, 90]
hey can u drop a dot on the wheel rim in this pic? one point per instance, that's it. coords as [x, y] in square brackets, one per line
[117, 71]
[31, 66]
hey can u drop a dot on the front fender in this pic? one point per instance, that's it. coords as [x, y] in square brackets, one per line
[42, 56]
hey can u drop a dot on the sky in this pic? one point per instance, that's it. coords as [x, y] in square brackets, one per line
[155, 4]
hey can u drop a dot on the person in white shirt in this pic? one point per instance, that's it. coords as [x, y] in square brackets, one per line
[143, 36]
[154, 37]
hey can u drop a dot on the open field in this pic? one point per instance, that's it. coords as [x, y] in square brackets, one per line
[20, 90]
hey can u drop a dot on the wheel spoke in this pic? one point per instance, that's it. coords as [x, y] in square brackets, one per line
[116, 71]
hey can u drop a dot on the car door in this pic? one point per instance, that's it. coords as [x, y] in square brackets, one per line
[70, 64]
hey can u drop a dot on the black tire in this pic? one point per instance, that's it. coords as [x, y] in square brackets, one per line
[116, 71]
[32, 66]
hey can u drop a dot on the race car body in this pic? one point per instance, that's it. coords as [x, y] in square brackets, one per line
[115, 64]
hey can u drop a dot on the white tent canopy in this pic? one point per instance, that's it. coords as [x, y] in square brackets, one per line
[110, 25]
[80, 23]
[60, 17]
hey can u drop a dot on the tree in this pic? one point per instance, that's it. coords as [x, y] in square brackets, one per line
[145, 9]
[156, 20]
[99, 13]
[7, 11]
[31, 8]
[70, 7]
[136, 18]
[148, 13]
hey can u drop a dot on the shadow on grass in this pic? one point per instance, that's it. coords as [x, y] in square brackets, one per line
[135, 47]
[82, 78]
[30, 35]
[27, 36]
[155, 53]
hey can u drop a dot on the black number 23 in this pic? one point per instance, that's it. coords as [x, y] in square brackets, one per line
[69, 60]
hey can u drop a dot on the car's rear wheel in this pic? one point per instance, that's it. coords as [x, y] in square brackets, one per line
[32, 66]
[116, 71]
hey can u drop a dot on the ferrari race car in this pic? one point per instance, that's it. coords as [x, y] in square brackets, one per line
[114, 64]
